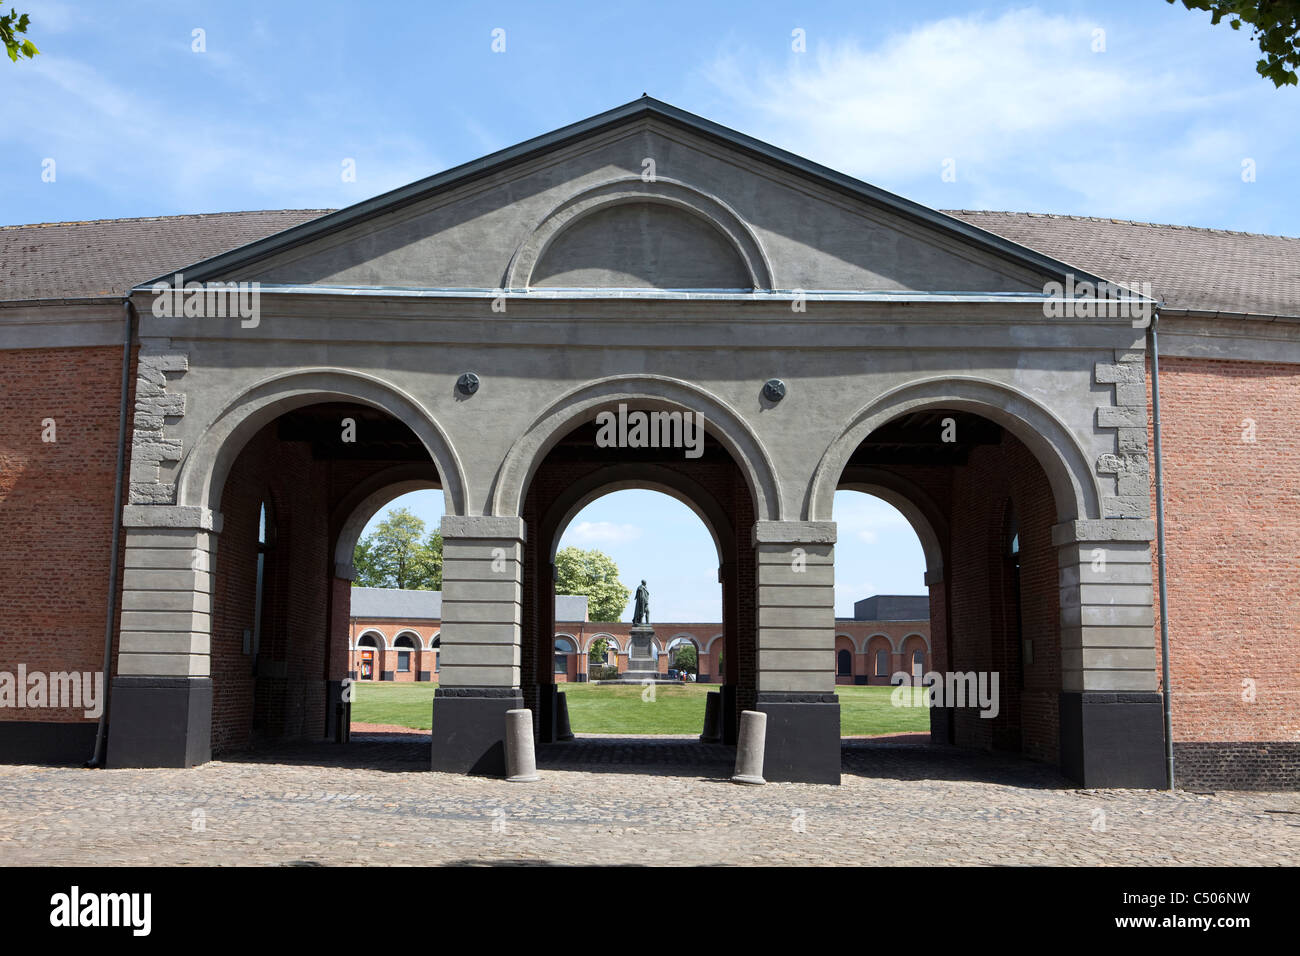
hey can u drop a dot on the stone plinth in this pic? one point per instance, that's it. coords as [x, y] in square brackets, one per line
[641, 665]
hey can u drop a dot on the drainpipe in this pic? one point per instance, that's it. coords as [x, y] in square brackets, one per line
[101, 732]
[1153, 347]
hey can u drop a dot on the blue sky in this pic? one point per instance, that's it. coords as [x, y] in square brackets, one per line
[1135, 110]
[1155, 126]
[650, 535]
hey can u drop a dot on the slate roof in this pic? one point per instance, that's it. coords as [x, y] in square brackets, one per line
[570, 608]
[1210, 270]
[105, 257]
[1190, 267]
[397, 604]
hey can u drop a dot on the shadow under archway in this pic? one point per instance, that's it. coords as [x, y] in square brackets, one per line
[983, 506]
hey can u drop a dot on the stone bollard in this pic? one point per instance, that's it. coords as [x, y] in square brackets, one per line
[749, 747]
[521, 762]
[712, 718]
[562, 729]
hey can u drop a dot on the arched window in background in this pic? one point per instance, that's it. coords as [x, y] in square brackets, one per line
[563, 648]
[406, 645]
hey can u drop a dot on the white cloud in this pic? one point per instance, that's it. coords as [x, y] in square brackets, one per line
[602, 532]
[51, 16]
[865, 517]
[1020, 102]
[103, 132]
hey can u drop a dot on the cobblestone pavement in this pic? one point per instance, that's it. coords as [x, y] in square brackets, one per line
[620, 801]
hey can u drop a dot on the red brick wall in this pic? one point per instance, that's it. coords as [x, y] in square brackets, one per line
[287, 698]
[982, 618]
[874, 636]
[421, 659]
[56, 511]
[1232, 509]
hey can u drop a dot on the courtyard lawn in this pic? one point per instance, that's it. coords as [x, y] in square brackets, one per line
[867, 711]
[619, 709]
[405, 705]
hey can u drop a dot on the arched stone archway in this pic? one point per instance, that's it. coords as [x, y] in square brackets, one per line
[370, 496]
[186, 636]
[1074, 482]
[1052, 645]
[558, 467]
[641, 392]
[203, 471]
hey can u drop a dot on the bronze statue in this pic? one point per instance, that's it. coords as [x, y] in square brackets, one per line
[641, 610]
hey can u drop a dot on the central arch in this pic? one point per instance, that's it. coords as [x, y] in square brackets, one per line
[645, 477]
[647, 392]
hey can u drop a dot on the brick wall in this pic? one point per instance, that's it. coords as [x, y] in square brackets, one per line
[983, 619]
[56, 511]
[422, 659]
[1232, 509]
[287, 697]
[863, 639]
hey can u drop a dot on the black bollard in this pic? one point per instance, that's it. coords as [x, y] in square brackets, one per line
[712, 718]
[562, 729]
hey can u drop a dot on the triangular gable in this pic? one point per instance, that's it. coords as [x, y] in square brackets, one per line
[712, 207]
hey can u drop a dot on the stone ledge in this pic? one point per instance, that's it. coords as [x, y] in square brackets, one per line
[794, 697]
[1104, 529]
[190, 517]
[794, 532]
[510, 527]
[494, 692]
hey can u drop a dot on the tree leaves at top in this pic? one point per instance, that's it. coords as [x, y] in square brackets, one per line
[1276, 25]
[12, 26]
[594, 574]
[397, 554]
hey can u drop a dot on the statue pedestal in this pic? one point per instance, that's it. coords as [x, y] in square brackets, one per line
[640, 658]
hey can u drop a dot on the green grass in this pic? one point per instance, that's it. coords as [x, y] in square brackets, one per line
[867, 711]
[406, 705]
[619, 709]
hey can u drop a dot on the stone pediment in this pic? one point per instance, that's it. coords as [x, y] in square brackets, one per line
[642, 197]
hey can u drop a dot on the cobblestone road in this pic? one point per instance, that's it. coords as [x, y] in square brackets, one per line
[615, 801]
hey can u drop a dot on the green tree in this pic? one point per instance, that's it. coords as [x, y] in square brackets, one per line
[398, 554]
[599, 647]
[12, 26]
[685, 658]
[594, 574]
[431, 556]
[1275, 25]
[366, 563]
